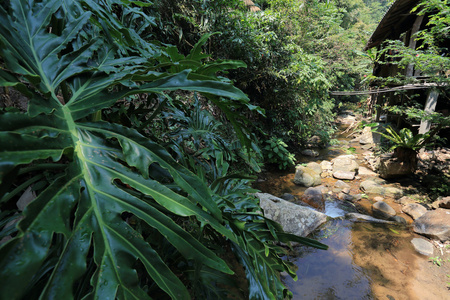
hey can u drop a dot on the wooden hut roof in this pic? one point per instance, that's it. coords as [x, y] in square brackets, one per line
[251, 5]
[397, 20]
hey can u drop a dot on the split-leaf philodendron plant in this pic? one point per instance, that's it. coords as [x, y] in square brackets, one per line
[97, 183]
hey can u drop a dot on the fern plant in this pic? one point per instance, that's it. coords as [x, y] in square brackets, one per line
[96, 182]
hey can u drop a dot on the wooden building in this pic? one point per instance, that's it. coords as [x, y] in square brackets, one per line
[399, 23]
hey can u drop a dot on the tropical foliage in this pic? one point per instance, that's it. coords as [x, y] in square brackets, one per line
[296, 51]
[120, 211]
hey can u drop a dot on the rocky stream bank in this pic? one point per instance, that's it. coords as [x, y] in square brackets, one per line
[405, 255]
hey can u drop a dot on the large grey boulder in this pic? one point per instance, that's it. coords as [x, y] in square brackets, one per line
[308, 175]
[346, 163]
[295, 219]
[434, 224]
[414, 210]
[392, 168]
[422, 246]
[382, 210]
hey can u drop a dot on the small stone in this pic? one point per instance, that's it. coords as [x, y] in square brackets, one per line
[357, 216]
[326, 174]
[382, 210]
[423, 247]
[340, 184]
[288, 197]
[378, 198]
[345, 197]
[326, 166]
[442, 203]
[310, 152]
[414, 210]
[405, 200]
[366, 172]
[346, 191]
[344, 175]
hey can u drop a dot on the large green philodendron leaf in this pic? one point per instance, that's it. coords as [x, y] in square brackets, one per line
[85, 204]
[80, 216]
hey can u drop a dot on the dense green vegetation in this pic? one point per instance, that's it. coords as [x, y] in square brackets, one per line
[295, 51]
[144, 122]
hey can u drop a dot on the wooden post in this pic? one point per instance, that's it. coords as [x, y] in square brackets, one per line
[413, 42]
[430, 106]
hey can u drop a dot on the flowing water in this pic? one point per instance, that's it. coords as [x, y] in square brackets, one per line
[364, 260]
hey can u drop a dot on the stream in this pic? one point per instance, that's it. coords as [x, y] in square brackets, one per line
[364, 260]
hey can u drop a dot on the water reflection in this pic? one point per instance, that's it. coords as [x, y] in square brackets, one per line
[330, 274]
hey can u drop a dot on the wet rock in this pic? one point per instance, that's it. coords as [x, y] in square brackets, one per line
[309, 175]
[345, 197]
[295, 219]
[315, 196]
[434, 224]
[346, 163]
[309, 152]
[442, 203]
[344, 175]
[398, 219]
[382, 210]
[422, 246]
[288, 197]
[356, 216]
[414, 210]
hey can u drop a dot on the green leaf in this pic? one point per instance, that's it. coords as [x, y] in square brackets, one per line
[93, 183]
